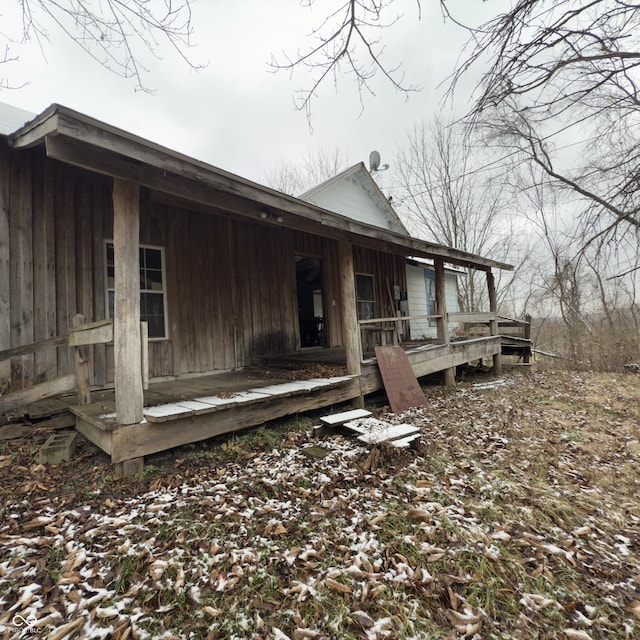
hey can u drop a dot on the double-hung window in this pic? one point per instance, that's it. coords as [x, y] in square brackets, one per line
[365, 296]
[430, 288]
[153, 303]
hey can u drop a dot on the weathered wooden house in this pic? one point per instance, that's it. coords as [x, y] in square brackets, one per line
[173, 270]
[355, 194]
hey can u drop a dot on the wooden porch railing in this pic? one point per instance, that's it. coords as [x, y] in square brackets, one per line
[80, 337]
[493, 320]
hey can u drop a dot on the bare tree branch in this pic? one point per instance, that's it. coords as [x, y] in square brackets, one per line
[115, 33]
[559, 68]
[347, 40]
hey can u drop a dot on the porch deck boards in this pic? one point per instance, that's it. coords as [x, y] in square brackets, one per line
[187, 410]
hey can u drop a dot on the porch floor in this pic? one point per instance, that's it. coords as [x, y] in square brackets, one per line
[178, 411]
[190, 409]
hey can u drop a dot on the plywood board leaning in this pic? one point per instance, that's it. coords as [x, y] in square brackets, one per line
[400, 383]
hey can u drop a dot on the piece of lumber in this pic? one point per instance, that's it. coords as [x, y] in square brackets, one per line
[365, 425]
[144, 354]
[147, 438]
[388, 432]
[350, 326]
[442, 324]
[32, 347]
[82, 366]
[97, 332]
[61, 421]
[16, 430]
[37, 392]
[337, 419]
[400, 382]
[406, 442]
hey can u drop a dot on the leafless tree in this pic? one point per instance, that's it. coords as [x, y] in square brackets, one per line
[559, 76]
[315, 167]
[561, 90]
[580, 313]
[349, 40]
[447, 198]
[115, 33]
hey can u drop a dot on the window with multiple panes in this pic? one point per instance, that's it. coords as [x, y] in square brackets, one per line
[152, 288]
[365, 296]
[430, 287]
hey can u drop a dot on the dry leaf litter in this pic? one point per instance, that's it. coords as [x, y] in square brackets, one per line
[517, 517]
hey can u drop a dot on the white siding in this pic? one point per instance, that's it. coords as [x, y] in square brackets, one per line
[12, 118]
[417, 298]
[350, 199]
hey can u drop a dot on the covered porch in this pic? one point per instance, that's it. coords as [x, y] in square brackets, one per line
[213, 259]
[178, 412]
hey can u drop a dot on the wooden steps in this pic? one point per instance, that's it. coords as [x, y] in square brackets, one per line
[372, 431]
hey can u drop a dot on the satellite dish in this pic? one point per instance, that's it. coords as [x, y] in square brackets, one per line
[374, 161]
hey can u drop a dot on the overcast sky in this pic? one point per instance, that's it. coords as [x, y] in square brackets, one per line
[236, 114]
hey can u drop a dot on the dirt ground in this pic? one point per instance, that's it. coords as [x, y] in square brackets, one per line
[517, 516]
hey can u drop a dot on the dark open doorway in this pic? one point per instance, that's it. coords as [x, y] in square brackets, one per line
[310, 301]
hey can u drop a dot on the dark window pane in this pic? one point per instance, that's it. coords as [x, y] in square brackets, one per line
[364, 287]
[156, 327]
[153, 259]
[152, 311]
[110, 254]
[110, 297]
[154, 304]
[154, 280]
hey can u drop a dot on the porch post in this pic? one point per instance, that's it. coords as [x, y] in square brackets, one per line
[526, 334]
[442, 323]
[493, 308]
[126, 325]
[350, 326]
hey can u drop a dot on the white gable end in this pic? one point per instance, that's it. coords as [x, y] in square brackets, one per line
[12, 118]
[355, 195]
[350, 199]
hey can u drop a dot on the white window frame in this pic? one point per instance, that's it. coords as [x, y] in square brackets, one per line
[108, 289]
[359, 300]
[430, 288]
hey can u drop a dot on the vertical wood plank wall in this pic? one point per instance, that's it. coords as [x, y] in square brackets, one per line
[230, 284]
[5, 268]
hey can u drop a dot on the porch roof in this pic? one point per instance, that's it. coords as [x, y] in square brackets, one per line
[77, 139]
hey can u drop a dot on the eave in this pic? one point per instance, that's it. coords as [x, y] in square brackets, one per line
[79, 140]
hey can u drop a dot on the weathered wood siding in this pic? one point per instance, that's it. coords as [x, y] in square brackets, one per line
[48, 263]
[387, 270]
[230, 283]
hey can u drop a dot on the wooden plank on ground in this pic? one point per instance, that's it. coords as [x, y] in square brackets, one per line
[400, 383]
[365, 425]
[404, 443]
[337, 419]
[388, 432]
[16, 430]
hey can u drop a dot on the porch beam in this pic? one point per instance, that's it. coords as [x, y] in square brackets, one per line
[126, 326]
[493, 325]
[442, 323]
[175, 175]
